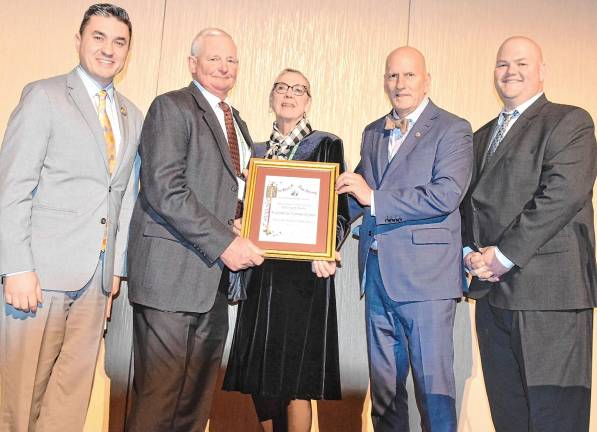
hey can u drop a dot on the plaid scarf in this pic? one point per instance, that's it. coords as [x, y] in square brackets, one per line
[280, 146]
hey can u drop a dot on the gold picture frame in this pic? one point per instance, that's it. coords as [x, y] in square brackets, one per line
[291, 207]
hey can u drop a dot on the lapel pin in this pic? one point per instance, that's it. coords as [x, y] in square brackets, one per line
[123, 110]
[418, 134]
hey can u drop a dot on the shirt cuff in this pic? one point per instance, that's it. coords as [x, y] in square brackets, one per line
[465, 251]
[18, 273]
[372, 206]
[503, 259]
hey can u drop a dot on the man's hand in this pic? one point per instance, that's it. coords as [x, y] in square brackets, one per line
[113, 293]
[476, 266]
[493, 263]
[324, 269]
[241, 254]
[355, 185]
[23, 291]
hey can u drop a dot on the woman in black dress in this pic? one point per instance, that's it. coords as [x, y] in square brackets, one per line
[285, 347]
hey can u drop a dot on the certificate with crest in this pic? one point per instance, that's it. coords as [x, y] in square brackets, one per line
[290, 208]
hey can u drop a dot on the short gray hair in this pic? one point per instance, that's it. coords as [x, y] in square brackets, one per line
[207, 32]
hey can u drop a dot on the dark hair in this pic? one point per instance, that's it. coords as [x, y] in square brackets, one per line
[106, 10]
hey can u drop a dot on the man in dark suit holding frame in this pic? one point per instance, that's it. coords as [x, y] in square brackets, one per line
[193, 148]
[530, 246]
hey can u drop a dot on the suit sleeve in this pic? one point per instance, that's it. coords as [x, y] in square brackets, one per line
[21, 160]
[164, 140]
[443, 193]
[336, 154]
[565, 186]
[124, 219]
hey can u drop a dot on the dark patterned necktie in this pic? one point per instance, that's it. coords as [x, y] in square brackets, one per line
[499, 135]
[233, 147]
[231, 133]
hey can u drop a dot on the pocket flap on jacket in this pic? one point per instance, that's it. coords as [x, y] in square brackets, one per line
[559, 243]
[153, 229]
[431, 236]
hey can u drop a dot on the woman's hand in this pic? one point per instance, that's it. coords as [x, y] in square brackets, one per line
[237, 226]
[325, 269]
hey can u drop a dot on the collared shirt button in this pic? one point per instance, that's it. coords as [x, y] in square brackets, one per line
[103, 221]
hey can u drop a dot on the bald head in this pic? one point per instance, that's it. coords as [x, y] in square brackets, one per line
[407, 52]
[519, 71]
[406, 81]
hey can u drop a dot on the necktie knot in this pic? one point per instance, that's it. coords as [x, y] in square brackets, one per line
[500, 133]
[224, 106]
[392, 123]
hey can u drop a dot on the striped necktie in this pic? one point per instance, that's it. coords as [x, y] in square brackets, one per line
[107, 128]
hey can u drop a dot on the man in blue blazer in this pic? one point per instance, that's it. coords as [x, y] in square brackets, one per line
[414, 171]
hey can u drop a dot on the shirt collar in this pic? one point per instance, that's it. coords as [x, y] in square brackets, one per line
[92, 86]
[414, 116]
[520, 108]
[212, 99]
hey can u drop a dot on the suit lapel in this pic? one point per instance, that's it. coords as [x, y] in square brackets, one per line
[382, 139]
[511, 137]
[415, 136]
[214, 125]
[81, 99]
[481, 148]
[243, 129]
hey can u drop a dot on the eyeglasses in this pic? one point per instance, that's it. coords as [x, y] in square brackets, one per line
[297, 89]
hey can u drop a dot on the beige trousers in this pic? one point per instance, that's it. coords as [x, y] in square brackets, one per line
[47, 360]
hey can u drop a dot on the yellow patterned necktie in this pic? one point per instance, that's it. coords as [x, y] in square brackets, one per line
[110, 145]
[107, 128]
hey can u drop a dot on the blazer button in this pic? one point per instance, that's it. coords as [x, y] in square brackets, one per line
[103, 221]
[230, 221]
[370, 233]
[234, 188]
[109, 188]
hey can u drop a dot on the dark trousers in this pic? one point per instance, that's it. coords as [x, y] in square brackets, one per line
[177, 357]
[405, 335]
[537, 367]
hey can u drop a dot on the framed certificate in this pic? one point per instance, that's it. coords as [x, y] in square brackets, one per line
[290, 208]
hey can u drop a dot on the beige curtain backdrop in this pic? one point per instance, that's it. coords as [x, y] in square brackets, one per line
[341, 46]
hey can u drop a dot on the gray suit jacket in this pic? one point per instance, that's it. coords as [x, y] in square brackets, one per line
[534, 201]
[55, 190]
[417, 195]
[183, 219]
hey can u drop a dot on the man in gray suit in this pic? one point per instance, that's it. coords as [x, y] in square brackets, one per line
[66, 197]
[414, 171]
[531, 249]
[193, 147]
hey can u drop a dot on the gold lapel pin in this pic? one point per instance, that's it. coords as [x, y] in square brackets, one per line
[418, 134]
[123, 110]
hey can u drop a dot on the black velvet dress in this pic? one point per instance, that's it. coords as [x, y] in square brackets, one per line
[285, 342]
